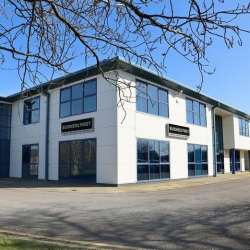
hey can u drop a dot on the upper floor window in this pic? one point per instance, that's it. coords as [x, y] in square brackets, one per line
[151, 99]
[196, 112]
[78, 99]
[244, 128]
[31, 111]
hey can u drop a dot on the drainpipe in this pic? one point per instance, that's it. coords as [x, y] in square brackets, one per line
[47, 94]
[214, 139]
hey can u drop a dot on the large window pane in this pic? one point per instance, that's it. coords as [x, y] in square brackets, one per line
[76, 152]
[196, 119]
[202, 109]
[164, 152]
[190, 118]
[196, 107]
[154, 151]
[142, 151]
[142, 172]
[191, 169]
[89, 104]
[165, 171]
[65, 109]
[77, 92]
[34, 154]
[204, 153]
[163, 96]
[90, 88]
[152, 93]
[34, 169]
[163, 110]
[64, 153]
[26, 154]
[152, 107]
[141, 89]
[189, 104]
[89, 151]
[190, 153]
[77, 107]
[35, 116]
[203, 121]
[154, 172]
[64, 171]
[65, 95]
[141, 104]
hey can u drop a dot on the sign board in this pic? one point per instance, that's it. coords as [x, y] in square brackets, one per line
[77, 127]
[177, 131]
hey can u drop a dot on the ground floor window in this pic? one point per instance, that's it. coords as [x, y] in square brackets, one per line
[152, 160]
[77, 160]
[30, 161]
[237, 160]
[197, 160]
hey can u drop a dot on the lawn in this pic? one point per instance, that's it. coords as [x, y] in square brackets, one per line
[7, 243]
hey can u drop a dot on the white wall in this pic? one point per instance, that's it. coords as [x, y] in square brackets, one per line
[142, 125]
[105, 131]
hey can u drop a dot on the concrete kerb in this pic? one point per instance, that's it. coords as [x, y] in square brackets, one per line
[135, 188]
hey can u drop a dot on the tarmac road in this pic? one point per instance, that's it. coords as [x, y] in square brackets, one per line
[205, 217]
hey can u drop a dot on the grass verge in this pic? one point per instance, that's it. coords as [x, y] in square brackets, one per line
[7, 243]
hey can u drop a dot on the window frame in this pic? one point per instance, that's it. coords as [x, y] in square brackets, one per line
[194, 162]
[82, 163]
[149, 163]
[243, 128]
[194, 112]
[149, 100]
[30, 163]
[27, 111]
[84, 97]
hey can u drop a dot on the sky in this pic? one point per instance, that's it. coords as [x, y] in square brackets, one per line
[229, 84]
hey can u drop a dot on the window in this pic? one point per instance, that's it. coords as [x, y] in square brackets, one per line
[196, 113]
[152, 160]
[151, 99]
[77, 160]
[78, 99]
[30, 161]
[244, 128]
[237, 160]
[197, 160]
[31, 111]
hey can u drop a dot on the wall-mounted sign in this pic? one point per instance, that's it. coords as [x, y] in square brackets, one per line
[77, 127]
[177, 131]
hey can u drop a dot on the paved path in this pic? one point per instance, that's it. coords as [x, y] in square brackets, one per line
[200, 217]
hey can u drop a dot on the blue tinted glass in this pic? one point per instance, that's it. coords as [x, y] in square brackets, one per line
[142, 151]
[196, 119]
[197, 153]
[152, 107]
[164, 151]
[204, 169]
[163, 96]
[163, 110]
[77, 107]
[89, 151]
[141, 104]
[6, 133]
[240, 122]
[165, 171]
[77, 91]
[65, 95]
[6, 109]
[154, 172]
[190, 117]
[203, 120]
[142, 172]
[35, 103]
[202, 109]
[191, 170]
[35, 115]
[141, 89]
[189, 104]
[89, 88]
[152, 93]
[89, 104]
[154, 151]
[198, 168]
[65, 109]
[204, 153]
[190, 153]
[196, 107]
[5, 121]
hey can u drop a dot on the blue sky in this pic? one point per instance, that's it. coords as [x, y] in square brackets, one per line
[230, 83]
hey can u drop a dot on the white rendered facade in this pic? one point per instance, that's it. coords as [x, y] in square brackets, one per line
[116, 137]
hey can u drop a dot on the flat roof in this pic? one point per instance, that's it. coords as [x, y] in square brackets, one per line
[119, 63]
